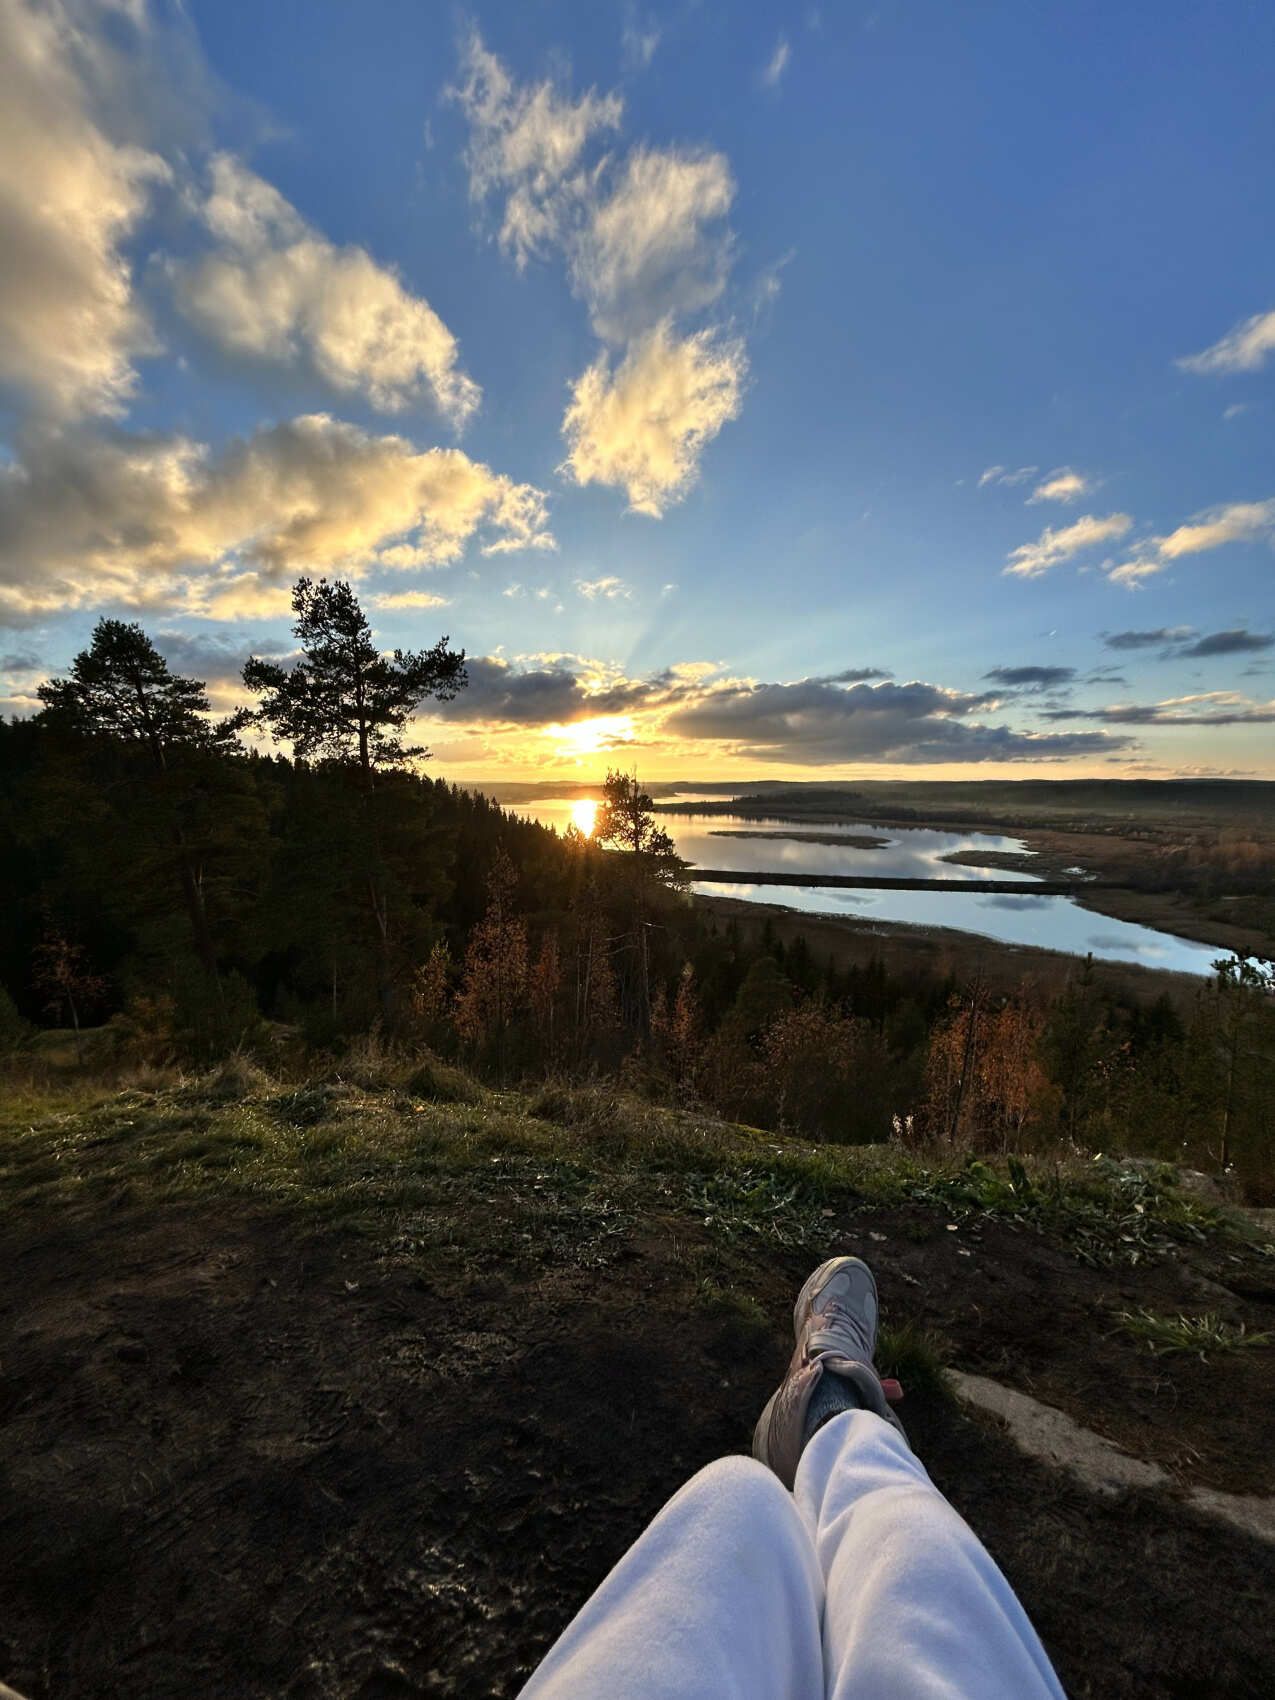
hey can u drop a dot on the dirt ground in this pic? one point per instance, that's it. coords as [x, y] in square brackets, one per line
[249, 1457]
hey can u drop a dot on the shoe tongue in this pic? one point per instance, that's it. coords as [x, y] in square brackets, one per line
[841, 1341]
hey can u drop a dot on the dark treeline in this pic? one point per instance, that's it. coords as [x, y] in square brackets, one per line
[196, 897]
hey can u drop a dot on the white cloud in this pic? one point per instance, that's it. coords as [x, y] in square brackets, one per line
[69, 198]
[1239, 522]
[1064, 485]
[1244, 348]
[161, 522]
[645, 242]
[656, 243]
[1235, 522]
[1030, 560]
[643, 425]
[777, 64]
[528, 144]
[611, 589]
[278, 291]
[410, 599]
[1003, 475]
[642, 236]
[1131, 573]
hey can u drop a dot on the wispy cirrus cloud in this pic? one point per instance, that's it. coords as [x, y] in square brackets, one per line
[1246, 347]
[1006, 475]
[275, 290]
[777, 64]
[1054, 546]
[639, 39]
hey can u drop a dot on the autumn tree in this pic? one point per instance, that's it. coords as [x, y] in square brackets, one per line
[62, 973]
[431, 990]
[544, 987]
[494, 981]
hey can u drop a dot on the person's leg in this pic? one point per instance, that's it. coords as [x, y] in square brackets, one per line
[915, 1607]
[720, 1596]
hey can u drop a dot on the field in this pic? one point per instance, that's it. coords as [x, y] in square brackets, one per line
[357, 1385]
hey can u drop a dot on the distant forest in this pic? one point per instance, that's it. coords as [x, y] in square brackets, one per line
[180, 896]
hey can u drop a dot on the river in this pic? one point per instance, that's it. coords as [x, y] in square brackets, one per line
[1048, 922]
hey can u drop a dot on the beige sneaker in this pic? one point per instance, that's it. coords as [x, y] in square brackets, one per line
[835, 1323]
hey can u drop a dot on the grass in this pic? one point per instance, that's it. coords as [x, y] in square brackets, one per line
[565, 1172]
[916, 1357]
[1199, 1335]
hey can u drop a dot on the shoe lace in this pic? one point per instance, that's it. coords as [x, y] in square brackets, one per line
[834, 1314]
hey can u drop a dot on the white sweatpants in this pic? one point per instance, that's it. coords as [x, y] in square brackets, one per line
[862, 1584]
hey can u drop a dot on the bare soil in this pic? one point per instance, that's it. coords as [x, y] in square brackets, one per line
[245, 1455]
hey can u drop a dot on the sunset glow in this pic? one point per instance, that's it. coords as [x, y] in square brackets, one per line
[584, 815]
[596, 409]
[587, 737]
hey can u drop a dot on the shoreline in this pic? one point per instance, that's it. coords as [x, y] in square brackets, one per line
[923, 947]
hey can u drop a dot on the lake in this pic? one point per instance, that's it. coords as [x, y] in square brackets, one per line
[1049, 922]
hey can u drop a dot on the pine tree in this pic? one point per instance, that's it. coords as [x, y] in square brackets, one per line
[347, 703]
[124, 703]
[345, 700]
[626, 822]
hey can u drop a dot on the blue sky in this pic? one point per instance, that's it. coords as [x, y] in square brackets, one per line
[751, 390]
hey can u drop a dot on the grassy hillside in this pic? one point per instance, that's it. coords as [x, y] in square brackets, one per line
[357, 1384]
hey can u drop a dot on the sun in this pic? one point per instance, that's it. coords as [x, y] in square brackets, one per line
[587, 737]
[584, 815]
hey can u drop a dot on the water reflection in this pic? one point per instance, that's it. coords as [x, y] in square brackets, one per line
[1051, 923]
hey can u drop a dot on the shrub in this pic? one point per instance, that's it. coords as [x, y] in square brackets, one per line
[234, 1080]
[441, 1083]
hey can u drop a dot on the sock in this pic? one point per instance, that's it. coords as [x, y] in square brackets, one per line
[833, 1395]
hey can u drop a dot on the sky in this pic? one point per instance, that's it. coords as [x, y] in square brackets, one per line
[751, 390]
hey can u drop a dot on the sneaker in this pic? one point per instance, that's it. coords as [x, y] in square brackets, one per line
[835, 1324]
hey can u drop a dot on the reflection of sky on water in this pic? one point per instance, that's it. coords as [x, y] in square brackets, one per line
[1051, 923]
[911, 853]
